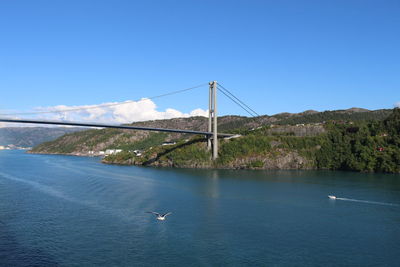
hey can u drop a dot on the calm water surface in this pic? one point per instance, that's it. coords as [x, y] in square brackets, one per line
[72, 211]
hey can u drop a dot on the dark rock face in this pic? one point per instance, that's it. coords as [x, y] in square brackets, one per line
[298, 130]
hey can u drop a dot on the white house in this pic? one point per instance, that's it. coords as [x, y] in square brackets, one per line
[112, 151]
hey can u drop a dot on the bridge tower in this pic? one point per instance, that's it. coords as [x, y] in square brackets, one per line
[212, 119]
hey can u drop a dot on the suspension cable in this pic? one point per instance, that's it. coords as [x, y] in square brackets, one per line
[233, 100]
[237, 101]
[105, 105]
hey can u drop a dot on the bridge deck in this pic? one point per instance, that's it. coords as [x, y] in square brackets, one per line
[113, 126]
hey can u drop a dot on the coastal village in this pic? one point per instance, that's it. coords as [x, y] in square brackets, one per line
[114, 151]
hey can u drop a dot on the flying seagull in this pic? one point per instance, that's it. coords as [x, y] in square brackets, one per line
[160, 217]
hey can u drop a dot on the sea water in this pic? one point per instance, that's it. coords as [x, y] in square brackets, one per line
[75, 211]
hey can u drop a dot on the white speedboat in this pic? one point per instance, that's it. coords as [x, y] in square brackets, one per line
[332, 197]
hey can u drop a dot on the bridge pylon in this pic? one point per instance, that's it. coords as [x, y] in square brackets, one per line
[212, 119]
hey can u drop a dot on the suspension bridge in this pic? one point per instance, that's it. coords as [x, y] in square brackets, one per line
[212, 134]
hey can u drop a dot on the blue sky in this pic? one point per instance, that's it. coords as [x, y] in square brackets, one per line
[277, 56]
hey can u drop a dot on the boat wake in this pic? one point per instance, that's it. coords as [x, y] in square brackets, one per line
[368, 202]
[49, 190]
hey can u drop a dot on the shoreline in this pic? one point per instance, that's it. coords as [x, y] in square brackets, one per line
[189, 165]
[198, 167]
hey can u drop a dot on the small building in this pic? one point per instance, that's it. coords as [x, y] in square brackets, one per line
[112, 151]
[137, 153]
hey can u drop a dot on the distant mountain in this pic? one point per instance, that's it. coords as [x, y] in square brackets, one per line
[31, 136]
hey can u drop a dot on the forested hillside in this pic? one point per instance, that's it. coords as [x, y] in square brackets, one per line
[354, 139]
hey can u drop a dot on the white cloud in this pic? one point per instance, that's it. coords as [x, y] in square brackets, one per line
[397, 105]
[125, 112]
[108, 113]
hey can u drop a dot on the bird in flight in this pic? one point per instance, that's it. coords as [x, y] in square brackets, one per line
[160, 217]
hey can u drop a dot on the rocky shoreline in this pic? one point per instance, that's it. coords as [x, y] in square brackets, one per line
[286, 161]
